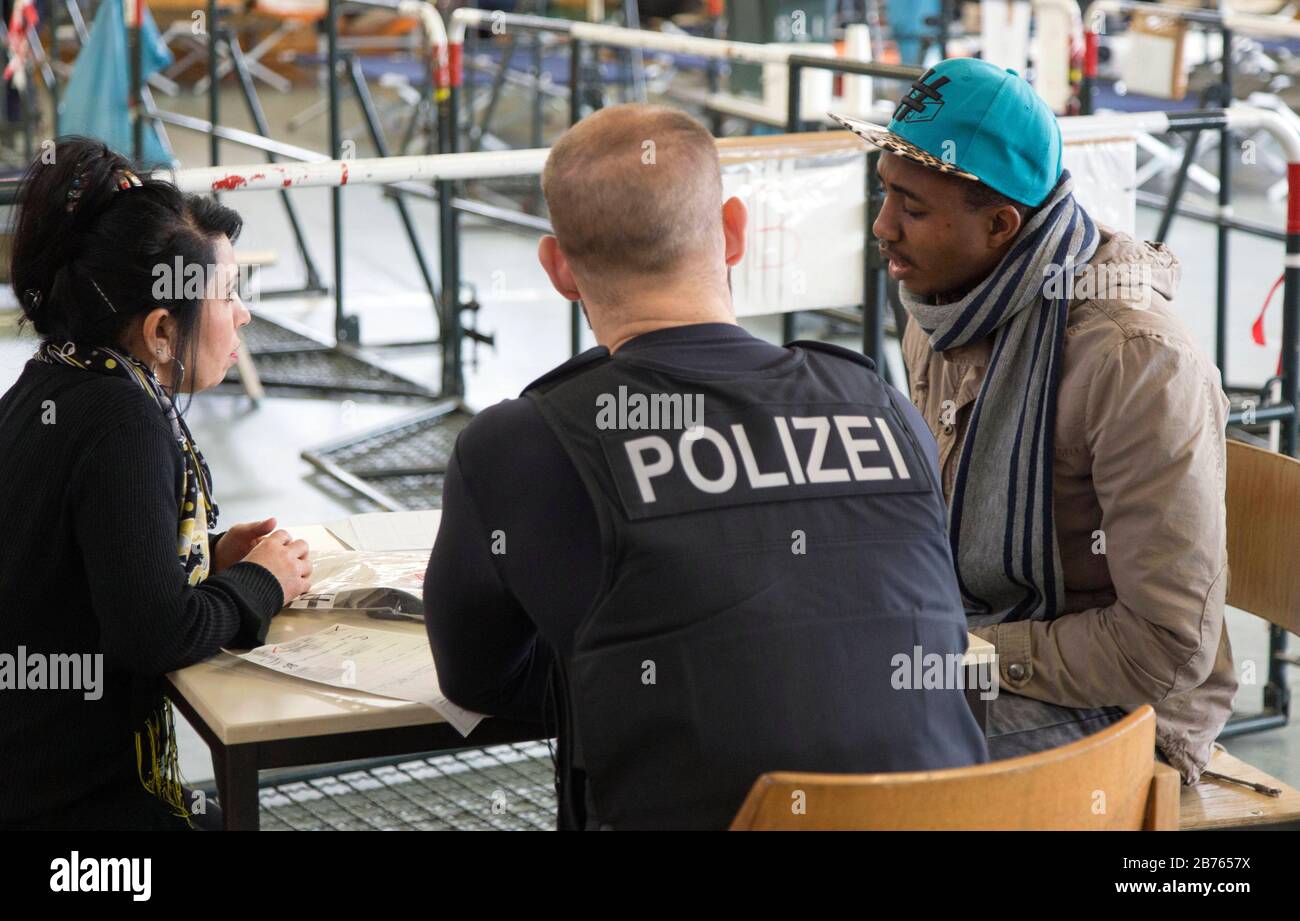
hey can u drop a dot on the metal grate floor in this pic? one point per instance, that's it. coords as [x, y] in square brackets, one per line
[503, 788]
[404, 463]
[291, 359]
[266, 335]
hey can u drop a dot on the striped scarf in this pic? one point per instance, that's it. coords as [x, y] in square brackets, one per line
[159, 768]
[1004, 475]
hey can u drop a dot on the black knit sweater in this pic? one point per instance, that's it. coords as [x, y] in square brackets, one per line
[90, 476]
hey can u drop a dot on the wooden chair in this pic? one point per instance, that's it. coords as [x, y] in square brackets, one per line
[1263, 499]
[1264, 534]
[1108, 781]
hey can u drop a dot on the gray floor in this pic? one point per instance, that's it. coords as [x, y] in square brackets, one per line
[255, 453]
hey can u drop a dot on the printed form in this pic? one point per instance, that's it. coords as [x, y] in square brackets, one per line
[379, 662]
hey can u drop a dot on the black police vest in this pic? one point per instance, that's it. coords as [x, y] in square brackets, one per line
[772, 541]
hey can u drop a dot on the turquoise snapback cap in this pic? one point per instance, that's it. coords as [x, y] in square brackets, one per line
[972, 119]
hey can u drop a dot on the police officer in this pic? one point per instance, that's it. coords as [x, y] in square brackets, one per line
[700, 556]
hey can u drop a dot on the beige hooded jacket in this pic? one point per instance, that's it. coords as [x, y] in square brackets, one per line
[1139, 501]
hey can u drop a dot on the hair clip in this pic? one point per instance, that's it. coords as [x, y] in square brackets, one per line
[74, 192]
[76, 188]
[33, 298]
[124, 179]
[103, 295]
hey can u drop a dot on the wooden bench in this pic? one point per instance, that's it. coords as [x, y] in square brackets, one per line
[1263, 493]
[1217, 804]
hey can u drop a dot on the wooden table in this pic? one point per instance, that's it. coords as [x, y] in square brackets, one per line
[256, 719]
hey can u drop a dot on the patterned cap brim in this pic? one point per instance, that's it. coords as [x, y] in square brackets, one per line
[887, 140]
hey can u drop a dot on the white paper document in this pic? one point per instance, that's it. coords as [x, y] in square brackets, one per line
[380, 662]
[388, 530]
[317, 536]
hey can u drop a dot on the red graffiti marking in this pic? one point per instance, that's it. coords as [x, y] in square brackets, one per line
[230, 182]
[345, 175]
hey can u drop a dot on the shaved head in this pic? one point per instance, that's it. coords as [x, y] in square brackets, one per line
[635, 194]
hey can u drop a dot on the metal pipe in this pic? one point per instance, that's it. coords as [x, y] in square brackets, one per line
[237, 136]
[860, 68]
[1262, 415]
[344, 331]
[1291, 309]
[529, 162]
[1225, 209]
[622, 37]
[54, 59]
[873, 288]
[1180, 182]
[240, 68]
[135, 45]
[449, 332]
[214, 86]
[1151, 200]
[362, 93]
[945, 11]
[326, 173]
[575, 114]
[536, 100]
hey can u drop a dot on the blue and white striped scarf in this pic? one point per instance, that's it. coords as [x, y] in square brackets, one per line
[1001, 517]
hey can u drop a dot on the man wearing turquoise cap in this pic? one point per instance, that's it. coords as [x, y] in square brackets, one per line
[1080, 427]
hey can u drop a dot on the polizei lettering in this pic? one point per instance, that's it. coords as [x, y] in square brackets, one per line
[763, 457]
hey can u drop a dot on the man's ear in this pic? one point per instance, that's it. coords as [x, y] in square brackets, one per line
[1003, 226]
[735, 217]
[557, 268]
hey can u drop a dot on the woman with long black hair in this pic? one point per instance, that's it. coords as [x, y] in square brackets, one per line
[111, 574]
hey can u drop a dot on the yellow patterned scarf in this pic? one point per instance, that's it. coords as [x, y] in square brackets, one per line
[159, 768]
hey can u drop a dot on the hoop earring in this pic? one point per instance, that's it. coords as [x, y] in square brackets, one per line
[180, 386]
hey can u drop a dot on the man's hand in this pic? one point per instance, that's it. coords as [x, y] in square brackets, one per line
[239, 541]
